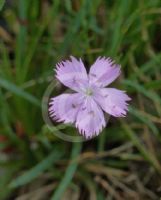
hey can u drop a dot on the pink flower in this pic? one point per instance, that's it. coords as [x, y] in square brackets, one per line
[85, 108]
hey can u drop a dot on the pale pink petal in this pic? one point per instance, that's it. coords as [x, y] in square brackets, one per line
[72, 73]
[112, 101]
[90, 119]
[65, 107]
[103, 72]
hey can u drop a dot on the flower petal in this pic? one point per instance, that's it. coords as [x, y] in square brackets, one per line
[64, 108]
[90, 119]
[72, 73]
[104, 71]
[112, 101]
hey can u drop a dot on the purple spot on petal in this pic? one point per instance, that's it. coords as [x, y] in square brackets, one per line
[74, 105]
[94, 75]
[92, 113]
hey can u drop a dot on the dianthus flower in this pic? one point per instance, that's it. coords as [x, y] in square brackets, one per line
[86, 106]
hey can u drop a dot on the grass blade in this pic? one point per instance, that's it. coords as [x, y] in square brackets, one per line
[147, 155]
[18, 91]
[135, 112]
[1, 4]
[68, 174]
[150, 94]
[36, 171]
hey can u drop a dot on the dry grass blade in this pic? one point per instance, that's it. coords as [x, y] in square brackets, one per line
[104, 170]
[108, 188]
[39, 194]
[113, 152]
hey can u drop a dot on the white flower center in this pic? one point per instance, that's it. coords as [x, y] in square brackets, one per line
[89, 92]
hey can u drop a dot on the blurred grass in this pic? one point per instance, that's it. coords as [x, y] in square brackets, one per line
[2, 2]
[124, 161]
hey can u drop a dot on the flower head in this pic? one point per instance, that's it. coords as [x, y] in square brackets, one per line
[86, 106]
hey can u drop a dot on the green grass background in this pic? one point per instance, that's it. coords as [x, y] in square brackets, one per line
[123, 162]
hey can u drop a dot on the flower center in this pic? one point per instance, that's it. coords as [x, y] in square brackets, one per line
[89, 92]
